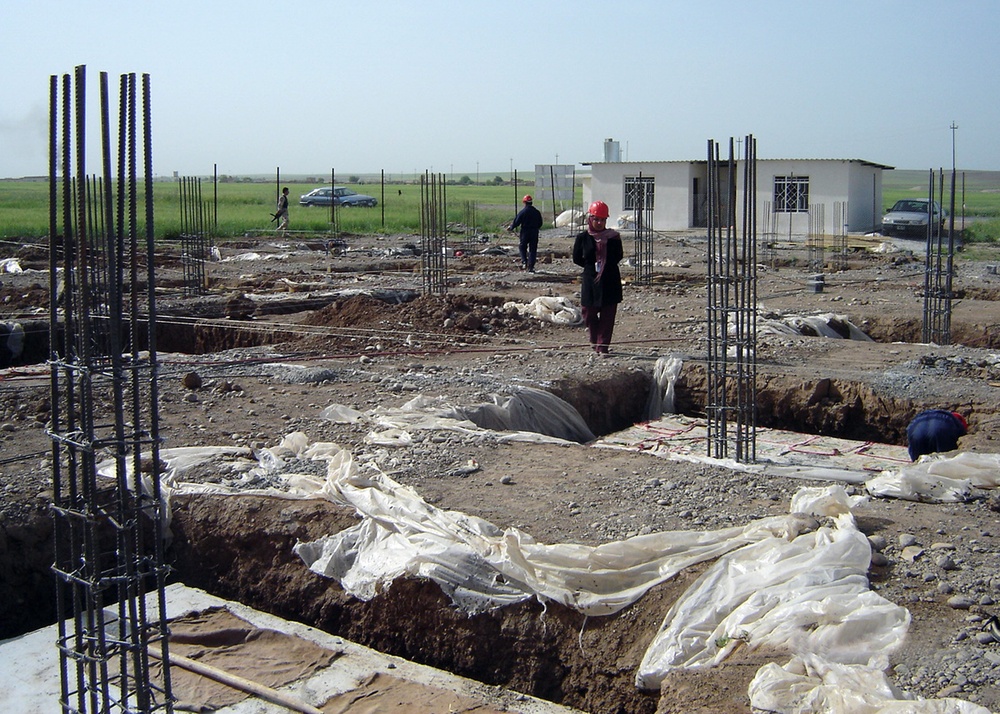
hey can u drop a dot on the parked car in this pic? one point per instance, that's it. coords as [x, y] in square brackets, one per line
[339, 195]
[909, 217]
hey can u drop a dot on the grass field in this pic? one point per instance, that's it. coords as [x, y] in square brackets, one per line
[243, 208]
[977, 195]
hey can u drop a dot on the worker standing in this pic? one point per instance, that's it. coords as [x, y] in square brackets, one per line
[529, 220]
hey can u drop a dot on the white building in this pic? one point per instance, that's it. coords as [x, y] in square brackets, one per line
[794, 196]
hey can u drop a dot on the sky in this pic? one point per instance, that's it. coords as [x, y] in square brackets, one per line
[469, 87]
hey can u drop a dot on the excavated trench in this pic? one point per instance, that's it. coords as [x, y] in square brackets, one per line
[241, 548]
[550, 652]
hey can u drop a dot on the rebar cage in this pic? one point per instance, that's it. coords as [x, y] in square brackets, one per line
[107, 510]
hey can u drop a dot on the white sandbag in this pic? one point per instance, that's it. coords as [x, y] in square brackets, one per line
[557, 310]
[570, 219]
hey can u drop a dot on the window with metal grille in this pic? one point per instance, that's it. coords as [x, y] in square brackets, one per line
[791, 194]
[637, 187]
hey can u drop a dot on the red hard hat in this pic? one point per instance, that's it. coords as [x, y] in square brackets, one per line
[961, 420]
[527, 199]
[599, 209]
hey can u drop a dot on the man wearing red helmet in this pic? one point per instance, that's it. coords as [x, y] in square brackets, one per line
[934, 431]
[598, 251]
[529, 220]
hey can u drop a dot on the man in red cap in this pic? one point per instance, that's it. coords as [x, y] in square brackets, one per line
[529, 220]
[935, 431]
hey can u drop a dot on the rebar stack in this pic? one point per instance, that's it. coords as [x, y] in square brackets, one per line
[768, 246]
[815, 242]
[642, 256]
[732, 307]
[939, 269]
[108, 549]
[433, 234]
[196, 240]
[840, 235]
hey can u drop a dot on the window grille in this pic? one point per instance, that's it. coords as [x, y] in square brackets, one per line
[791, 194]
[635, 188]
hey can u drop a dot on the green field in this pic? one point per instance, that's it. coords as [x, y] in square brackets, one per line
[246, 208]
[977, 197]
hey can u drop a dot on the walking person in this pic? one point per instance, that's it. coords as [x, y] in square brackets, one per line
[598, 250]
[281, 215]
[529, 220]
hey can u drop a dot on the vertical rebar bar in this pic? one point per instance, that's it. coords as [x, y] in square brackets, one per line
[104, 564]
[939, 270]
[731, 363]
[644, 234]
[433, 234]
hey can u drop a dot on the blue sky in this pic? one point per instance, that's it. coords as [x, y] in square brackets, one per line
[452, 85]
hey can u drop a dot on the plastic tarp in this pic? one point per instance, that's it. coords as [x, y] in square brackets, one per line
[661, 394]
[813, 685]
[828, 325]
[783, 583]
[939, 478]
[10, 265]
[809, 594]
[528, 414]
[482, 567]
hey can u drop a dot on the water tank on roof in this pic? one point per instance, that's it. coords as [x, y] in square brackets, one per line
[612, 150]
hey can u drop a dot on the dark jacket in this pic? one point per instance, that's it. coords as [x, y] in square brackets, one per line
[529, 220]
[607, 290]
[933, 431]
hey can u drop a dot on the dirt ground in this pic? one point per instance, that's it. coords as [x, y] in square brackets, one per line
[337, 318]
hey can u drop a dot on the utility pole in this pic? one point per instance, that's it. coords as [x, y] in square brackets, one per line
[954, 127]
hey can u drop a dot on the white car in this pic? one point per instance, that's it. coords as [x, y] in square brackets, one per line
[339, 195]
[909, 216]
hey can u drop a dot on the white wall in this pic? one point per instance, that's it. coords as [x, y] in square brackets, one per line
[856, 183]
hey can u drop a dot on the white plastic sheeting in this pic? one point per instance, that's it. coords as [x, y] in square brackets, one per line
[481, 567]
[806, 595]
[533, 414]
[813, 685]
[661, 394]
[10, 265]
[829, 325]
[558, 310]
[781, 583]
[940, 478]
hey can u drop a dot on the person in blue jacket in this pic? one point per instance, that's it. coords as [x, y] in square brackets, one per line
[529, 220]
[935, 431]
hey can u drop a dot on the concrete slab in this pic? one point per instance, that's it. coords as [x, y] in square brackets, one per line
[29, 674]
